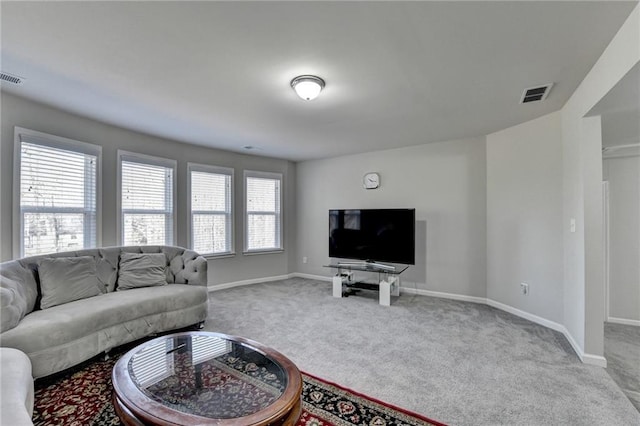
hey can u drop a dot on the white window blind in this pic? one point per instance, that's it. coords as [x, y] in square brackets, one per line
[154, 363]
[204, 348]
[211, 209]
[147, 215]
[263, 204]
[58, 194]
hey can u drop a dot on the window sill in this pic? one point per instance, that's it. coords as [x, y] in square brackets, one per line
[265, 251]
[211, 256]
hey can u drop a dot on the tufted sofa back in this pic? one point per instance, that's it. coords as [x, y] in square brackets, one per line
[183, 266]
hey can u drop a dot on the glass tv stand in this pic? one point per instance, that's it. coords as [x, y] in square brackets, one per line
[387, 283]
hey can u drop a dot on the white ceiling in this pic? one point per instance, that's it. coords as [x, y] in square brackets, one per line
[217, 73]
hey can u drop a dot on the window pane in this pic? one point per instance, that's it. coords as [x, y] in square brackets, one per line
[144, 229]
[210, 233]
[58, 198]
[52, 232]
[210, 192]
[263, 195]
[261, 231]
[211, 212]
[147, 202]
[146, 187]
[52, 177]
[263, 198]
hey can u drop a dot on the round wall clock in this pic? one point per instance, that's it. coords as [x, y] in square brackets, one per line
[371, 180]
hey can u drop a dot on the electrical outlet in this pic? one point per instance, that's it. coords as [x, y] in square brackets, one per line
[304, 259]
[525, 288]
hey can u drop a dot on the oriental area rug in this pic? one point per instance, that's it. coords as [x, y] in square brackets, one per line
[83, 397]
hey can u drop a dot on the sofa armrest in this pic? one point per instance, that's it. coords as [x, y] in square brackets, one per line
[200, 274]
[193, 271]
[16, 388]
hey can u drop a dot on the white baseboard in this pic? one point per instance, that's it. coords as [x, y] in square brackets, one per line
[311, 276]
[526, 315]
[223, 286]
[452, 296]
[576, 348]
[597, 360]
[483, 300]
[590, 359]
[623, 321]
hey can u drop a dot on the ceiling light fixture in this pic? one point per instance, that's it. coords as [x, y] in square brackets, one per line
[308, 87]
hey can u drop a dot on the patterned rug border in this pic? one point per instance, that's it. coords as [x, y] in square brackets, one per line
[373, 400]
[82, 396]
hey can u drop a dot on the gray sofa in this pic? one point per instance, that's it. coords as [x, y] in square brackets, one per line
[16, 388]
[64, 334]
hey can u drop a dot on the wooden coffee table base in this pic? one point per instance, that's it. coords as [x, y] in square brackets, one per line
[292, 417]
[135, 408]
[124, 413]
[129, 419]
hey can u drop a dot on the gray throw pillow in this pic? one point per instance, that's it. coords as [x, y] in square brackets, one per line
[13, 303]
[65, 279]
[141, 270]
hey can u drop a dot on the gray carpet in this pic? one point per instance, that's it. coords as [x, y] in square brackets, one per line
[622, 350]
[456, 362]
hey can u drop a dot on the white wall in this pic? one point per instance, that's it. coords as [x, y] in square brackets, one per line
[524, 217]
[591, 144]
[623, 175]
[444, 182]
[3, 247]
[581, 156]
[21, 112]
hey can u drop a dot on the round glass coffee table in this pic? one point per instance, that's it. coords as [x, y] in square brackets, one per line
[206, 378]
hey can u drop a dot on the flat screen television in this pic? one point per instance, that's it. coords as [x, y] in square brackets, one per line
[374, 235]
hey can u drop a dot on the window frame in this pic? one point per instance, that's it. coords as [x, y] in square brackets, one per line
[206, 168]
[151, 160]
[263, 175]
[57, 142]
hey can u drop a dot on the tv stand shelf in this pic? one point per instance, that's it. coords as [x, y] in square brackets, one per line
[387, 283]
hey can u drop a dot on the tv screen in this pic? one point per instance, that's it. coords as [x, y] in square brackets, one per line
[377, 235]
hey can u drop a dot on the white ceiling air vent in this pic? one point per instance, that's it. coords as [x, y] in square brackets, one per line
[535, 94]
[11, 78]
